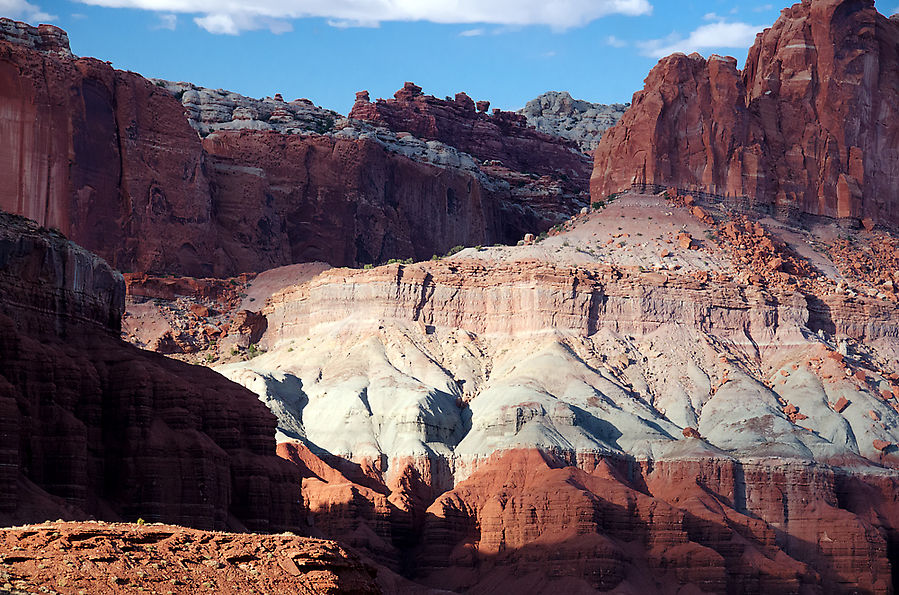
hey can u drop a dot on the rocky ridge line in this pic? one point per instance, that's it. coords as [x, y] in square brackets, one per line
[209, 110]
[499, 137]
[43, 38]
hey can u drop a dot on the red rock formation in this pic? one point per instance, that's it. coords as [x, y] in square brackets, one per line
[532, 523]
[350, 503]
[110, 159]
[346, 201]
[93, 426]
[246, 329]
[459, 122]
[169, 288]
[692, 433]
[104, 156]
[806, 127]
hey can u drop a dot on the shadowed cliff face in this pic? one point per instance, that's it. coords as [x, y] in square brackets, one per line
[344, 200]
[93, 426]
[809, 125]
[116, 163]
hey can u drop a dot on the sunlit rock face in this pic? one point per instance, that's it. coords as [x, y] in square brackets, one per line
[808, 126]
[487, 417]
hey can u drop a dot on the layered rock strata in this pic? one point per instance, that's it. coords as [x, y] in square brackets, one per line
[43, 38]
[808, 126]
[711, 524]
[93, 426]
[641, 401]
[167, 177]
[601, 323]
[211, 110]
[502, 137]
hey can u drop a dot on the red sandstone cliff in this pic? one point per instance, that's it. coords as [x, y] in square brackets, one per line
[111, 159]
[344, 201]
[533, 523]
[102, 155]
[808, 126]
[93, 426]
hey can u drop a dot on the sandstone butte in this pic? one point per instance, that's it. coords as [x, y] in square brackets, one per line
[115, 162]
[808, 126]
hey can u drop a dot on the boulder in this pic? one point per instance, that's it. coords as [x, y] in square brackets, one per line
[692, 433]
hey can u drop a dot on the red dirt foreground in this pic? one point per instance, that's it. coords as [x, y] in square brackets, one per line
[96, 557]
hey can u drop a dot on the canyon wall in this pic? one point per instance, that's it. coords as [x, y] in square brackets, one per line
[102, 155]
[475, 424]
[808, 126]
[656, 397]
[152, 175]
[93, 426]
[347, 200]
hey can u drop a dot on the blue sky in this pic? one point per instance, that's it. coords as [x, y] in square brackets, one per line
[504, 51]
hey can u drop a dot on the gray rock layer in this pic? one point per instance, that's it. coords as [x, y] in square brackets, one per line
[559, 114]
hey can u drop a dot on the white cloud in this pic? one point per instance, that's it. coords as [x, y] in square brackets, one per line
[220, 24]
[349, 24]
[20, 9]
[232, 24]
[231, 16]
[167, 21]
[615, 42]
[472, 33]
[712, 36]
